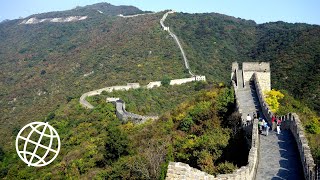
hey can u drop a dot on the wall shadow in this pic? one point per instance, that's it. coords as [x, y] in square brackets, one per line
[290, 163]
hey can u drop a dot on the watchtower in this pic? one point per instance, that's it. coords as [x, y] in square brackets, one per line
[262, 69]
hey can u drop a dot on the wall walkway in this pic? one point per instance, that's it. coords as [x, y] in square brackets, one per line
[295, 155]
[125, 116]
[186, 63]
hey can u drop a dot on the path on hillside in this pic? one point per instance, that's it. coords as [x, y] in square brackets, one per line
[186, 63]
[279, 156]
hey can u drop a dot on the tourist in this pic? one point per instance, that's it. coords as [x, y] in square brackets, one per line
[278, 125]
[273, 120]
[260, 124]
[267, 129]
[248, 119]
[254, 115]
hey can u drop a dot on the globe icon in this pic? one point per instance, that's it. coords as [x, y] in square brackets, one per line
[38, 144]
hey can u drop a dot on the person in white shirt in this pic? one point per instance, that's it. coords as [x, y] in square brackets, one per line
[249, 119]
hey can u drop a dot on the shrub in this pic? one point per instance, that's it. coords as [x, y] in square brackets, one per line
[165, 81]
[225, 168]
[186, 124]
[1, 154]
[313, 127]
[50, 116]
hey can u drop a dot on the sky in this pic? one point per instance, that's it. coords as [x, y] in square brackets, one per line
[302, 11]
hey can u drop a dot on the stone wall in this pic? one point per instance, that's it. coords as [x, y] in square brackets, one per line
[264, 80]
[154, 84]
[178, 170]
[200, 78]
[234, 81]
[181, 81]
[292, 122]
[125, 116]
[256, 66]
[86, 104]
[34, 20]
[262, 69]
[264, 106]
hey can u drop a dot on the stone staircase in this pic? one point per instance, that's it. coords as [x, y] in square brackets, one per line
[248, 99]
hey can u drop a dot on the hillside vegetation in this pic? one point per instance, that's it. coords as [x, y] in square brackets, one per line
[96, 145]
[43, 65]
[213, 41]
[151, 102]
[46, 67]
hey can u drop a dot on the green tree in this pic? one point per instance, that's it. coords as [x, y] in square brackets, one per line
[165, 81]
[1, 154]
[186, 124]
[117, 143]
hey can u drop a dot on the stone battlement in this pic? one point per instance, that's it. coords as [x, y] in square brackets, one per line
[291, 122]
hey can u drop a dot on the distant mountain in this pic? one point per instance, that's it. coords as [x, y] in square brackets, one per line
[92, 10]
[47, 64]
[213, 41]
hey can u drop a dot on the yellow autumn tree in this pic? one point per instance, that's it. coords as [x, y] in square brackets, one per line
[272, 98]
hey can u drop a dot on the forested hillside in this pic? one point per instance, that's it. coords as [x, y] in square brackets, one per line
[47, 64]
[213, 41]
[95, 145]
[44, 66]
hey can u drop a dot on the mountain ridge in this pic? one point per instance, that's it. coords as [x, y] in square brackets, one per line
[44, 65]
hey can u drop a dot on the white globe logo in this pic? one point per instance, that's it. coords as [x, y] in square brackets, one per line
[38, 144]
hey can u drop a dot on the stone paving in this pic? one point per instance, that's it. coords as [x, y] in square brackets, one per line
[279, 157]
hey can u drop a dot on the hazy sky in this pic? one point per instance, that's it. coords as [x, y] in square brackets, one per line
[307, 11]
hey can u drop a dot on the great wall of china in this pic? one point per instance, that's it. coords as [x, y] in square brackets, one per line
[120, 105]
[284, 156]
[249, 85]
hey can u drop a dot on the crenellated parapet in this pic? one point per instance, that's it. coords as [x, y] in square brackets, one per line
[291, 122]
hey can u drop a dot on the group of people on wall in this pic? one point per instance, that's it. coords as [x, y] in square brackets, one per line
[263, 125]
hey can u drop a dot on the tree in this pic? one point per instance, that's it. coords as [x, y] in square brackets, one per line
[272, 98]
[1, 154]
[165, 81]
[117, 144]
[186, 124]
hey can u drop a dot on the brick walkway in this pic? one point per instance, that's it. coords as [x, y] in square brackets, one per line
[279, 157]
